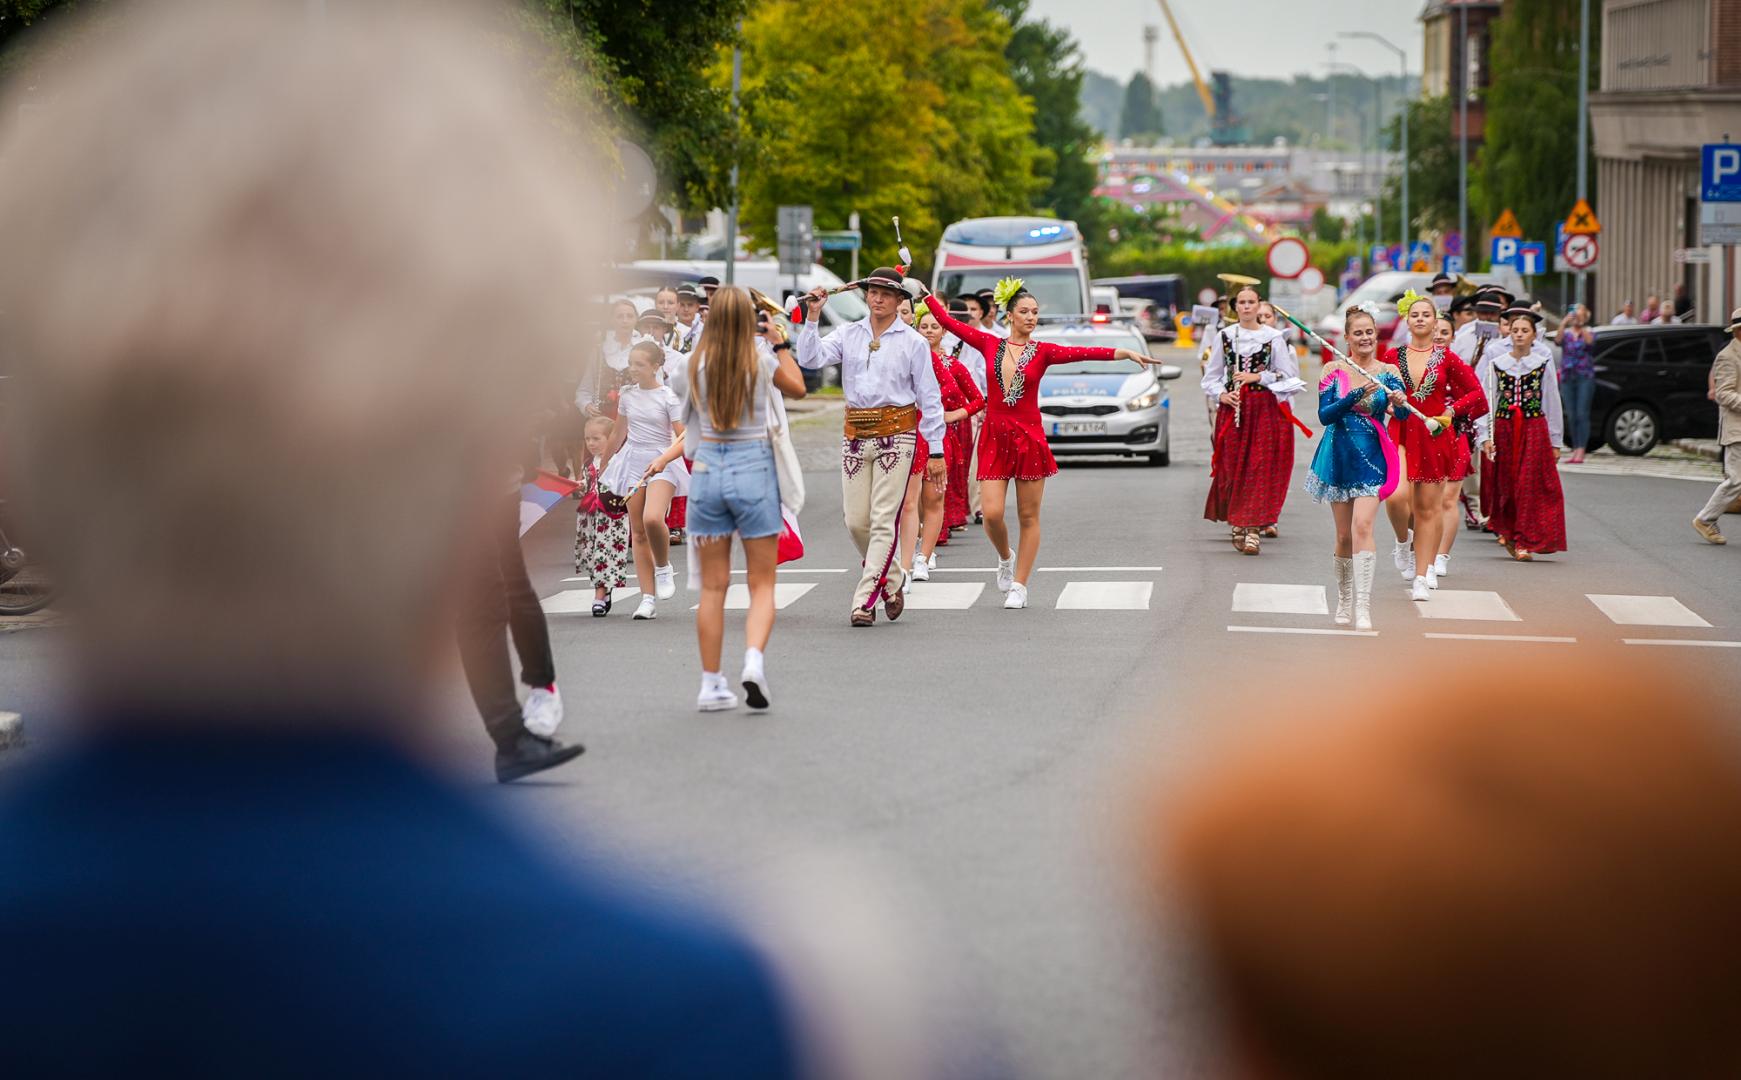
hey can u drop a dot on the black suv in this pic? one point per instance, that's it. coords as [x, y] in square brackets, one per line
[1650, 385]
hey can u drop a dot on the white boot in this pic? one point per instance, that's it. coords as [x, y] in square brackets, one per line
[1344, 590]
[1365, 564]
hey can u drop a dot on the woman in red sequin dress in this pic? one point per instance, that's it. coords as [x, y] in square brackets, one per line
[944, 509]
[1441, 386]
[1012, 441]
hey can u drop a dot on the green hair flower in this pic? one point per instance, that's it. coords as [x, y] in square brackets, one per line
[1407, 301]
[1004, 289]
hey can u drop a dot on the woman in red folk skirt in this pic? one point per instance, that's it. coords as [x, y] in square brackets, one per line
[1520, 445]
[1012, 441]
[1442, 387]
[1251, 373]
[961, 400]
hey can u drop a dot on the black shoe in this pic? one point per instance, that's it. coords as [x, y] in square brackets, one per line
[532, 753]
[601, 608]
[979, 518]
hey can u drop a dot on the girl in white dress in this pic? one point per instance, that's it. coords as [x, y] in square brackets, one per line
[647, 461]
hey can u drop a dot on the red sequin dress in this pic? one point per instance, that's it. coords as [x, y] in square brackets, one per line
[959, 392]
[1012, 441]
[1446, 383]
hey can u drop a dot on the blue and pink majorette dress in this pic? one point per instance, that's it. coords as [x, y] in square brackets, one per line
[1356, 458]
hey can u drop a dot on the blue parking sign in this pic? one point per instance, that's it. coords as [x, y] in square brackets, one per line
[1503, 252]
[1720, 173]
[1532, 257]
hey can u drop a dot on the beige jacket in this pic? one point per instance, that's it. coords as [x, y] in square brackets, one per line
[1726, 389]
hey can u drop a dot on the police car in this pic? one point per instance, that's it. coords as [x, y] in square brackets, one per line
[1106, 407]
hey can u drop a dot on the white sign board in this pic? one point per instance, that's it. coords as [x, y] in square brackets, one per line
[1693, 256]
[1719, 223]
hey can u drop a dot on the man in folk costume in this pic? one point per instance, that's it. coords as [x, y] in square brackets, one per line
[891, 396]
[1482, 338]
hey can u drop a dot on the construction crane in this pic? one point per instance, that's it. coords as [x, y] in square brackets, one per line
[1224, 127]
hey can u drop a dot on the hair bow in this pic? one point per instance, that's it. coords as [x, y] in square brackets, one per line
[1407, 301]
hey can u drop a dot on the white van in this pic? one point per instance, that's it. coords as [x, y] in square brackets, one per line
[1047, 254]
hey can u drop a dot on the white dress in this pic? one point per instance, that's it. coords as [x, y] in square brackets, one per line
[651, 414]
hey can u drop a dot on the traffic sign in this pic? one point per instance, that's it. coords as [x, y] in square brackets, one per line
[1288, 257]
[1560, 264]
[1453, 264]
[1454, 243]
[1502, 251]
[1582, 220]
[1693, 256]
[1311, 279]
[840, 239]
[1719, 223]
[1581, 252]
[1532, 257]
[1419, 253]
[1720, 173]
[796, 238]
[1206, 297]
[1507, 226]
[1380, 258]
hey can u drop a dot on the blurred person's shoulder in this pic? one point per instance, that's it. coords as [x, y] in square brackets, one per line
[283, 895]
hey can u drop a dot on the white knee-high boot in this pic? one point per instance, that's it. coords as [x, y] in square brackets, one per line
[1344, 590]
[1365, 565]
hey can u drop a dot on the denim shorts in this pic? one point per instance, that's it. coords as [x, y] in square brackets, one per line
[734, 488]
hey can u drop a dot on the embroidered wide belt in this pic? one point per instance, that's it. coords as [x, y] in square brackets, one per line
[881, 421]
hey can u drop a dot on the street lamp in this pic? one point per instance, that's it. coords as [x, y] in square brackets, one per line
[1378, 147]
[1403, 60]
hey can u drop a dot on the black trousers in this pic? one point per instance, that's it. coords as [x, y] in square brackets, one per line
[500, 603]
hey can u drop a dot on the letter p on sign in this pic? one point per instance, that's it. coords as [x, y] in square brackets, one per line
[1726, 163]
[1720, 174]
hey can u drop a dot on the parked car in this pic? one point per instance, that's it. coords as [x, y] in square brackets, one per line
[1651, 383]
[1107, 407]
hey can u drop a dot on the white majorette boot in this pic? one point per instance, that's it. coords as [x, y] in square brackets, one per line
[1017, 599]
[1006, 573]
[1344, 590]
[1365, 564]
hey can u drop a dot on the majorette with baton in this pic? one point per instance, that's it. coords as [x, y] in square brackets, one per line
[886, 374]
[1252, 372]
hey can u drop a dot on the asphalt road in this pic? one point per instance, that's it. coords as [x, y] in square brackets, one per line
[988, 766]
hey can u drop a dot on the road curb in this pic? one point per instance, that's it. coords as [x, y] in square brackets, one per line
[1700, 447]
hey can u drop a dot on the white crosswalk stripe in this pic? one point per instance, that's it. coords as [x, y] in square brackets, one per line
[1273, 599]
[1105, 595]
[737, 597]
[579, 601]
[944, 596]
[1468, 604]
[1645, 610]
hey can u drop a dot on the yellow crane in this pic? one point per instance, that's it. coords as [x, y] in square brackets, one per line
[1190, 62]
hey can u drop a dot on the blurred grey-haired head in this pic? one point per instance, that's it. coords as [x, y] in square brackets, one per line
[281, 296]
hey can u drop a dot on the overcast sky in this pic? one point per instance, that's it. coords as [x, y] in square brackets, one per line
[1221, 35]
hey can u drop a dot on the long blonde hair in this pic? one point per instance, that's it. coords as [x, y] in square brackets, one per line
[728, 341]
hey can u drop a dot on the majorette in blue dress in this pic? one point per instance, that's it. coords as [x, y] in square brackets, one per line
[1356, 457]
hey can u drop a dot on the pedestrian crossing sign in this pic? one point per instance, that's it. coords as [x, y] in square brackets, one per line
[1507, 226]
[1582, 220]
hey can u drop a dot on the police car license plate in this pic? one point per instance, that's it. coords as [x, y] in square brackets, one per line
[1079, 427]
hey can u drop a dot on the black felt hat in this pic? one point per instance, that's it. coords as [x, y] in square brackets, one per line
[883, 277]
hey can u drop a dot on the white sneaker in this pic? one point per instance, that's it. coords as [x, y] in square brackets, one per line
[755, 682]
[542, 712]
[1006, 573]
[1442, 566]
[664, 582]
[921, 569]
[1404, 559]
[1432, 578]
[1420, 591]
[645, 611]
[715, 695]
[1017, 599]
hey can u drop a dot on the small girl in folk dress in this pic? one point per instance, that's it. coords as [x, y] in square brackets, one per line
[1254, 373]
[647, 466]
[601, 525]
[1520, 445]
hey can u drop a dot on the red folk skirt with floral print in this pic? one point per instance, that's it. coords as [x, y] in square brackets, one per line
[1520, 487]
[1252, 464]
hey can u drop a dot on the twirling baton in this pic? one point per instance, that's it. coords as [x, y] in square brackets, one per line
[1433, 425]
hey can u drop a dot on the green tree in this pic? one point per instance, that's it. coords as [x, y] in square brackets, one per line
[1141, 116]
[1529, 160]
[1046, 65]
[1326, 227]
[1432, 167]
[914, 115]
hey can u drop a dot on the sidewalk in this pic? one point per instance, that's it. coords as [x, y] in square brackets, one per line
[1709, 449]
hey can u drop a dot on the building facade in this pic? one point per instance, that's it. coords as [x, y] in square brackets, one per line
[1455, 35]
[1670, 82]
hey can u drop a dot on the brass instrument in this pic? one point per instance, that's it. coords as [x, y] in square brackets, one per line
[1465, 287]
[762, 302]
[1238, 279]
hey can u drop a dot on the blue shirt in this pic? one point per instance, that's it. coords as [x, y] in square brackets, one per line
[315, 906]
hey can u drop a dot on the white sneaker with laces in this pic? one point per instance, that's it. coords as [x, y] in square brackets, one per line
[542, 711]
[1420, 591]
[715, 695]
[664, 581]
[921, 569]
[1442, 566]
[1404, 559]
[755, 681]
[1017, 598]
[1432, 578]
[646, 610]
[1006, 573]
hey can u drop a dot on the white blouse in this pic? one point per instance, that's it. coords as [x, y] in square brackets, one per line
[1281, 378]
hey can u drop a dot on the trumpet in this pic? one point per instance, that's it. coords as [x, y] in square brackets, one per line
[763, 303]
